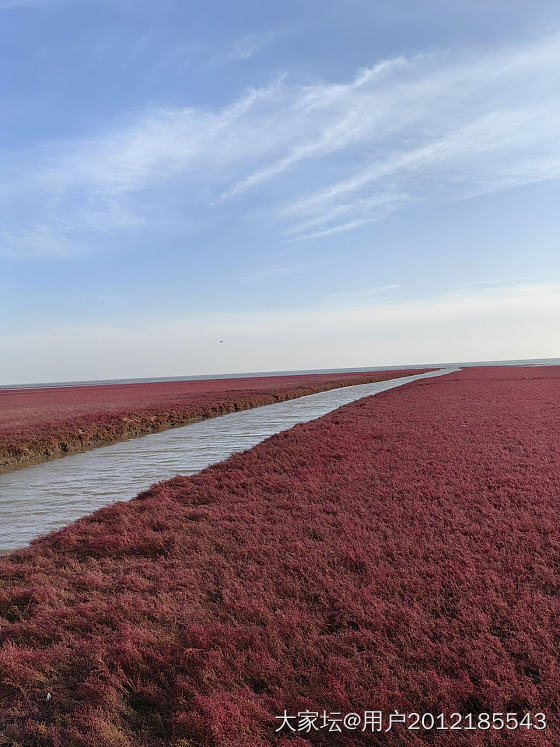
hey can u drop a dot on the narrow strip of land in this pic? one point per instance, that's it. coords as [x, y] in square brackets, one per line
[400, 554]
[39, 424]
[48, 496]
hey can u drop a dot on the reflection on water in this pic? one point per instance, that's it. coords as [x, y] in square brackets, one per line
[47, 496]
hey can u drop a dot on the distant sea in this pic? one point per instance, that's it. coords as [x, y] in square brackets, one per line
[526, 362]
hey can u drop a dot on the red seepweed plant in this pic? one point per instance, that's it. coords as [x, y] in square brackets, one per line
[400, 554]
[36, 424]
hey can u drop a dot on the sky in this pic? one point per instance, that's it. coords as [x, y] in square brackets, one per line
[196, 188]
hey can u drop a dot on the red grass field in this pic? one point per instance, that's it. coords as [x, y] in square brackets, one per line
[400, 554]
[40, 423]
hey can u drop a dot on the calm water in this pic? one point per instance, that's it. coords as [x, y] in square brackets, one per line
[253, 374]
[48, 496]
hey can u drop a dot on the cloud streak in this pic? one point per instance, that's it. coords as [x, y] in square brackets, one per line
[313, 160]
[246, 47]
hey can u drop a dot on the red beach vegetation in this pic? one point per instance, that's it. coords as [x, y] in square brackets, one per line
[45, 422]
[401, 554]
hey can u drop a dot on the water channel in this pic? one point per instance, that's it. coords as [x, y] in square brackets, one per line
[47, 496]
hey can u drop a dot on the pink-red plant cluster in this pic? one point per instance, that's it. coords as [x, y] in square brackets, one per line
[36, 424]
[399, 554]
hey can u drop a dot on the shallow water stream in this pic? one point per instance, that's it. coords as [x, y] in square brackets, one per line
[47, 496]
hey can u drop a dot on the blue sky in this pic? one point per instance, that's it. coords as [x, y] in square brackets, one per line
[317, 183]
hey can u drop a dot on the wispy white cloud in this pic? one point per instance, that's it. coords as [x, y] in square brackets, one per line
[100, 184]
[491, 136]
[245, 47]
[360, 296]
[334, 133]
[486, 141]
[372, 208]
[316, 159]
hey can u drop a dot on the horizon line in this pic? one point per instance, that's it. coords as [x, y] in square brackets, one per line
[292, 372]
